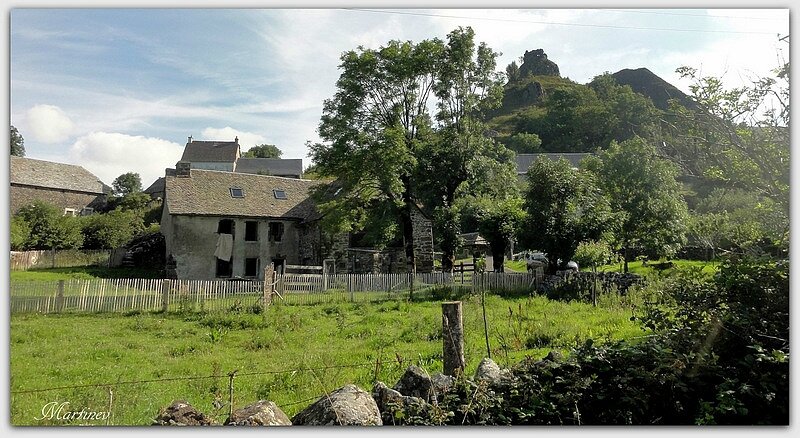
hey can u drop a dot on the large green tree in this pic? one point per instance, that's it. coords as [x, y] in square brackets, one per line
[564, 207]
[642, 186]
[466, 87]
[127, 183]
[17, 143]
[263, 151]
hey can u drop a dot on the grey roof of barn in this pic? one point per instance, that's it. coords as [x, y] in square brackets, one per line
[270, 166]
[207, 193]
[210, 151]
[524, 161]
[52, 175]
[156, 187]
[473, 239]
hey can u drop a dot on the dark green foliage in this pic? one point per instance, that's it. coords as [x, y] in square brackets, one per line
[127, 183]
[719, 354]
[49, 229]
[110, 230]
[148, 250]
[641, 186]
[564, 207]
[263, 151]
[524, 143]
[17, 143]
[20, 233]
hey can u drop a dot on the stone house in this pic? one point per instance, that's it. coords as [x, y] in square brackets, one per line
[67, 186]
[232, 225]
[212, 155]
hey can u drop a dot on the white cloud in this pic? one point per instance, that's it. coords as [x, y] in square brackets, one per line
[48, 124]
[246, 139]
[109, 155]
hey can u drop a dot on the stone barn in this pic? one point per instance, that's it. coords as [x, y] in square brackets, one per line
[69, 187]
[232, 225]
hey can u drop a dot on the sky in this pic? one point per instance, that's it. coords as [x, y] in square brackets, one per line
[120, 90]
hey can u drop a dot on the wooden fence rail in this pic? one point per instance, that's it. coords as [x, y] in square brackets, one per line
[132, 294]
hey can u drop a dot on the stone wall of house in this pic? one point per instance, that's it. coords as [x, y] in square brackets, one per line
[25, 195]
[192, 241]
[372, 261]
[423, 241]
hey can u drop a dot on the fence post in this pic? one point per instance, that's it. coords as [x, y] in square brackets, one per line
[165, 296]
[452, 338]
[60, 297]
[269, 283]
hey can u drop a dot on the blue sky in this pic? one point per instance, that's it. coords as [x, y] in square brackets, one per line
[119, 90]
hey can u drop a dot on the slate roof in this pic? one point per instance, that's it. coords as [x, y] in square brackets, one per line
[156, 187]
[524, 161]
[210, 151]
[49, 174]
[207, 193]
[271, 166]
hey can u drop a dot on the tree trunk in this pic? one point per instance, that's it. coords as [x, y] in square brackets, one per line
[408, 227]
[625, 258]
[448, 259]
[498, 256]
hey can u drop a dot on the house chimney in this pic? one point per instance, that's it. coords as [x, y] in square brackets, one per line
[190, 139]
[236, 140]
[183, 169]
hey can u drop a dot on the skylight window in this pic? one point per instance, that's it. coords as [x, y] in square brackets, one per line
[279, 194]
[236, 192]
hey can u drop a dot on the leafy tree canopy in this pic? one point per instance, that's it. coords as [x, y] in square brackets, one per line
[127, 183]
[17, 143]
[263, 151]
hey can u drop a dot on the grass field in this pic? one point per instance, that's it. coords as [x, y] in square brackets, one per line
[638, 267]
[82, 273]
[288, 354]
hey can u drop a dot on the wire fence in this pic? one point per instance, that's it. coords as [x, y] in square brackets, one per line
[232, 390]
[68, 258]
[137, 294]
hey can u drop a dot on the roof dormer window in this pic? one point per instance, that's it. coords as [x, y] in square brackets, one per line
[237, 192]
[279, 194]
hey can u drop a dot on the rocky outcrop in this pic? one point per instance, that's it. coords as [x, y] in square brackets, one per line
[260, 413]
[535, 63]
[346, 406]
[181, 413]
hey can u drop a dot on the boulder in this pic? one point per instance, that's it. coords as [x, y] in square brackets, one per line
[442, 383]
[390, 401]
[535, 63]
[260, 413]
[181, 413]
[416, 382]
[346, 406]
[488, 371]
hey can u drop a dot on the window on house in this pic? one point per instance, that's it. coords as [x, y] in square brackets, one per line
[275, 231]
[237, 192]
[70, 212]
[251, 267]
[279, 194]
[87, 211]
[224, 268]
[251, 231]
[225, 226]
[278, 264]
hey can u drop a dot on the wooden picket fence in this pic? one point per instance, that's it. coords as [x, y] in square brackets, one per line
[131, 294]
[24, 260]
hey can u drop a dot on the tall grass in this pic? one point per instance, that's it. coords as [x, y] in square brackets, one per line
[287, 354]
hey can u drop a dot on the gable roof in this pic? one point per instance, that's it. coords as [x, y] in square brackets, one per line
[270, 166]
[207, 193]
[49, 174]
[156, 187]
[524, 161]
[211, 151]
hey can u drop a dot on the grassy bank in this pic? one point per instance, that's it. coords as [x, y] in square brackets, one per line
[83, 273]
[287, 354]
